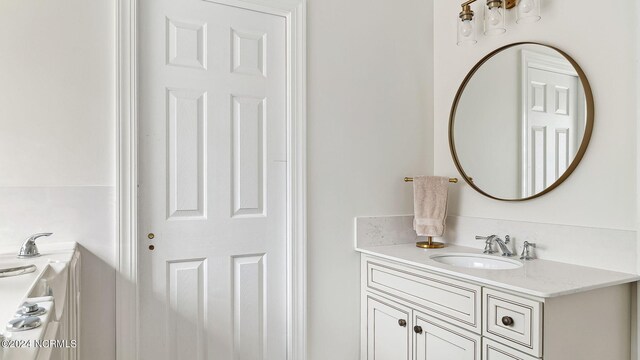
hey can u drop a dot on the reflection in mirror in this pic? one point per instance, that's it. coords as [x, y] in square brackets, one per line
[520, 120]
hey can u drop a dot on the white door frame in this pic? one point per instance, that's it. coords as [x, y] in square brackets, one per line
[294, 11]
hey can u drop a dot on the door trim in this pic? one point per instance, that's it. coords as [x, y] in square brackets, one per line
[294, 11]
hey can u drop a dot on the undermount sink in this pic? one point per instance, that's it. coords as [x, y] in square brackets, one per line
[476, 261]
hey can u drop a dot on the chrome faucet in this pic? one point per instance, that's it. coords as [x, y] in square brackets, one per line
[29, 248]
[502, 244]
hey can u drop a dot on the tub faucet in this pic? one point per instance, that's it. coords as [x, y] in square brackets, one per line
[29, 248]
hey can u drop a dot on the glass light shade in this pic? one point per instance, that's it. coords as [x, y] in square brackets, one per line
[466, 32]
[494, 20]
[528, 11]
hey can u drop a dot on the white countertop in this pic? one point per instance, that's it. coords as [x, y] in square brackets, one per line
[540, 278]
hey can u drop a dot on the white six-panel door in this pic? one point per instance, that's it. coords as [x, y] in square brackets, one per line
[212, 182]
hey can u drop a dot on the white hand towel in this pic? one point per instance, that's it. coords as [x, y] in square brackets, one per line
[430, 205]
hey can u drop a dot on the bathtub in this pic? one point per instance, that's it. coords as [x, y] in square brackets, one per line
[54, 286]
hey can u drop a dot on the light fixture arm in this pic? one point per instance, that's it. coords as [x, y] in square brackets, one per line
[467, 13]
[466, 6]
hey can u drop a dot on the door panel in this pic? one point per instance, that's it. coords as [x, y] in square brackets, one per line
[387, 336]
[212, 182]
[186, 147]
[436, 340]
[186, 288]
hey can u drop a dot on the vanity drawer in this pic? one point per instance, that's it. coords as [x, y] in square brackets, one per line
[450, 300]
[492, 350]
[512, 320]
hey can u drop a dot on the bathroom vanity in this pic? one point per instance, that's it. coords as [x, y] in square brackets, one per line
[417, 308]
[457, 303]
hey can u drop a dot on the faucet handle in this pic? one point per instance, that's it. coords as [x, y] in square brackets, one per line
[488, 249]
[525, 251]
[29, 248]
[38, 235]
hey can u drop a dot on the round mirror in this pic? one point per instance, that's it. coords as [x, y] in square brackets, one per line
[521, 121]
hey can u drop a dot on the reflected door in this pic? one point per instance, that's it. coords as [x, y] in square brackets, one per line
[212, 182]
[551, 127]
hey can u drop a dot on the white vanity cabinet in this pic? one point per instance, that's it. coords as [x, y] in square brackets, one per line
[396, 332]
[412, 313]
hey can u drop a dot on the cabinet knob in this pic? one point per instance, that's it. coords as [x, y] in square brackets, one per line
[507, 320]
[402, 322]
[417, 329]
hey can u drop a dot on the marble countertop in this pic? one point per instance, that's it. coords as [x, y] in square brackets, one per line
[540, 278]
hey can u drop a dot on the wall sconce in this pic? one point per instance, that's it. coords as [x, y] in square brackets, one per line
[528, 11]
[494, 17]
[467, 25]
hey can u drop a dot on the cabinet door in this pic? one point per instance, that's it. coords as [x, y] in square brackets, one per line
[437, 340]
[388, 330]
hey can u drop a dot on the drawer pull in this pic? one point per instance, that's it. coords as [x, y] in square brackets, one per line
[402, 322]
[507, 320]
[417, 329]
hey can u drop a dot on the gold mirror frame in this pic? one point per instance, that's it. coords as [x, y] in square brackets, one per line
[587, 131]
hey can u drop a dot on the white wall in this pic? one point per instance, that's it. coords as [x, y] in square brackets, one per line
[57, 142]
[602, 39]
[369, 115]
